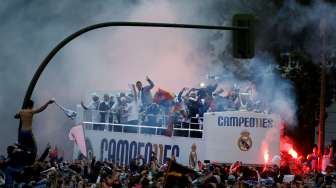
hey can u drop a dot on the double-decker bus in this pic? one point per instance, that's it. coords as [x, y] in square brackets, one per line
[225, 137]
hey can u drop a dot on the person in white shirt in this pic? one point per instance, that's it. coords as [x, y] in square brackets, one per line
[144, 92]
[133, 110]
[94, 104]
[92, 111]
[326, 158]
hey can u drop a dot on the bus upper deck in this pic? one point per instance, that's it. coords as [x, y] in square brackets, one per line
[154, 124]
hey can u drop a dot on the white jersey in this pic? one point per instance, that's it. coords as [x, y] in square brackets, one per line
[325, 162]
[93, 111]
[133, 111]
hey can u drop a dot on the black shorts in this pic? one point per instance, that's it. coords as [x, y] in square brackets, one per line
[27, 140]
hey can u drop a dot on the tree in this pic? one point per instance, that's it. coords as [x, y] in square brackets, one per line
[290, 27]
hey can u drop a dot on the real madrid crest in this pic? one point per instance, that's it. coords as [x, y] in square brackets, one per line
[244, 141]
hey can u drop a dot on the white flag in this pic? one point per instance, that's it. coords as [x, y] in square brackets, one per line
[77, 135]
[69, 113]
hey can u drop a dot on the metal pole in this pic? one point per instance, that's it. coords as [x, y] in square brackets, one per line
[54, 51]
[321, 128]
[65, 41]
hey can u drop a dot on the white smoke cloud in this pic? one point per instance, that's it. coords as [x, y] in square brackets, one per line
[109, 59]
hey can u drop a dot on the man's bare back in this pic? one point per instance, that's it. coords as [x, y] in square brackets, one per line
[26, 137]
[26, 116]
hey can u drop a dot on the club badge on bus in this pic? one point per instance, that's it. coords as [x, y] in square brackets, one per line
[244, 141]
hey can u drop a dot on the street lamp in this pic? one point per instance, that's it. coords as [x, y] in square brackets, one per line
[65, 41]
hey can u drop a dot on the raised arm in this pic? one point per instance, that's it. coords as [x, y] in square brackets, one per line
[93, 163]
[83, 106]
[179, 96]
[45, 153]
[134, 93]
[38, 110]
[151, 84]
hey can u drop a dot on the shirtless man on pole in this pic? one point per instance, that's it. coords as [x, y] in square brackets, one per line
[26, 137]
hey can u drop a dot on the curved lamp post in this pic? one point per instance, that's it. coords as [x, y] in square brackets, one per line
[65, 41]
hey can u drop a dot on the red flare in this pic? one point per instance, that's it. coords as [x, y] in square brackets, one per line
[293, 153]
[266, 157]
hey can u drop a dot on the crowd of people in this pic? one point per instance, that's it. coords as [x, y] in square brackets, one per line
[51, 170]
[163, 108]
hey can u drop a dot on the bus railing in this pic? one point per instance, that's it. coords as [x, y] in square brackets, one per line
[192, 127]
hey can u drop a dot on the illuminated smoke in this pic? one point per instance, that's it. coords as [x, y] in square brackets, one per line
[105, 60]
[287, 146]
[110, 59]
[266, 156]
[293, 153]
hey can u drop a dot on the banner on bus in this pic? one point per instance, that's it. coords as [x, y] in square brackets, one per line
[249, 137]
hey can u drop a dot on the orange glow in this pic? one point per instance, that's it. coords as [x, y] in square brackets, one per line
[266, 156]
[293, 153]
